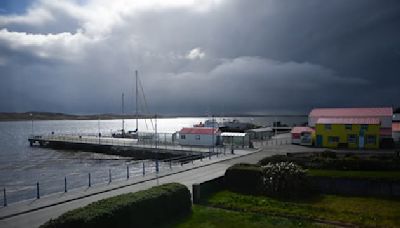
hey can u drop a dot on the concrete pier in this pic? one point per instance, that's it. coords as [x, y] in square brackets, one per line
[122, 147]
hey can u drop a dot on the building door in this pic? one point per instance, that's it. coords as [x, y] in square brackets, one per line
[319, 141]
[361, 142]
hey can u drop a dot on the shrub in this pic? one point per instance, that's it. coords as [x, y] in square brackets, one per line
[285, 179]
[141, 209]
[244, 178]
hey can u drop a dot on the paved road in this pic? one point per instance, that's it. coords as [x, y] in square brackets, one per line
[187, 177]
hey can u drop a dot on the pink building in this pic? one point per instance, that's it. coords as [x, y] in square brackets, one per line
[302, 135]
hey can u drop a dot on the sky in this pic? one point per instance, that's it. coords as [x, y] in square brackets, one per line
[198, 57]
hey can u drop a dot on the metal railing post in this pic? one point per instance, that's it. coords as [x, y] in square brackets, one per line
[65, 184]
[90, 181]
[144, 169]
[109, 176]
[5, 197]
[209, 155]
[157, 168]
[127, 172]
[170, 164]
[37, 190]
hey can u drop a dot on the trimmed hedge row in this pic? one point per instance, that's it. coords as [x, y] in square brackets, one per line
[141, 209]
[245, 178]
[328, 162]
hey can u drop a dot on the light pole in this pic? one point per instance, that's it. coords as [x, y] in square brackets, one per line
[98, 126]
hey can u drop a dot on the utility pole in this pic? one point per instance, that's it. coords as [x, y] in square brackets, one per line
[276, 126]
[31, 115]
[213, 129]
[98, 126]
[123, 113]
[137, 108]
[156, 133]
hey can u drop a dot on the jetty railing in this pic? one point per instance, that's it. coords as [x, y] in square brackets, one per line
[163, 142]
[72, 183]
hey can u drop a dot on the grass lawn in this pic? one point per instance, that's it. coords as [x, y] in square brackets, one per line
[362, 211]
[373, 175]
[214, 217]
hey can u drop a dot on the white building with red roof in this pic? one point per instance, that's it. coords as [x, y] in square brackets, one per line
[199, 136]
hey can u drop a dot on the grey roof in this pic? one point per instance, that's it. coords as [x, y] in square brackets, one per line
[263, 129]
[233, 134]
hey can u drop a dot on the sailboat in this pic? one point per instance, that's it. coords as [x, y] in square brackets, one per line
[130, 134]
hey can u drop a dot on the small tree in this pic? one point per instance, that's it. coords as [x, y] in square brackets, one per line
[284, 179]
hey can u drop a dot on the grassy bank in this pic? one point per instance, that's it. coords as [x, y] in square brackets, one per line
[214, 217]
[371, 175]
[356, 210]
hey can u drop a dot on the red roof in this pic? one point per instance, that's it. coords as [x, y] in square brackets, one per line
[298, 130]
[351, 112]
[348, 121]
[395, 126]
[199, 130]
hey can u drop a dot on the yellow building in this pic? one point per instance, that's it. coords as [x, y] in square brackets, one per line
[347, 133]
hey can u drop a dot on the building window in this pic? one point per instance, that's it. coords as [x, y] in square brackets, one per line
[183, 136]
[328, 127]
[348, 127]
[371, 139]
[352, 138]
[333, 139]
[364, 127]
[197, 137]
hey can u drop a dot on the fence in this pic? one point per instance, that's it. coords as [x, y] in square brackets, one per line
[272, 142]
[82, 181]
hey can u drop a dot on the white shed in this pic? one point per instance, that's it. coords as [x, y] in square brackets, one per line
[199, 136]
[236, 139]
[260, 133]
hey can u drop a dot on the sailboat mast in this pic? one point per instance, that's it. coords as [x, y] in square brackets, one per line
[137, 94]
[123, 113]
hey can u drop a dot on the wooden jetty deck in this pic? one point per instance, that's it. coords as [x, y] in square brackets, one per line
[120, 146]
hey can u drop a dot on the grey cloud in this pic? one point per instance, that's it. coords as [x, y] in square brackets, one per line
[259, 56]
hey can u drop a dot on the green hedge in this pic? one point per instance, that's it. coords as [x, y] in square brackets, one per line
[141, 209]
[328, 161]
[244, 178]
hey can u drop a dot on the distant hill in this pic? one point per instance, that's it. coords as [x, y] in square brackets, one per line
[60, 116]
[14, 116]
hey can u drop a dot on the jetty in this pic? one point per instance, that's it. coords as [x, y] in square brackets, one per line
[127, 147]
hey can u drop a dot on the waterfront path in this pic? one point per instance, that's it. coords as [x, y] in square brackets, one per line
[33, 213]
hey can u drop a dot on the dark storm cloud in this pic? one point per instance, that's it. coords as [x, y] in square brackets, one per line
[227, 56]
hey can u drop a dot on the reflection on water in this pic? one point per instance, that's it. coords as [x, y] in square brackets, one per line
[22, 166]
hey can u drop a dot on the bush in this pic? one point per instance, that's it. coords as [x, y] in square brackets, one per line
[285, 179]
[141, 209]
[244, 178]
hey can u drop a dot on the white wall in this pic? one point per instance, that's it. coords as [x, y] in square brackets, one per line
[190, 140]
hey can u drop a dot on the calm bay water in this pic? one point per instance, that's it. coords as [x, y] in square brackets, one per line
[21, 166]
